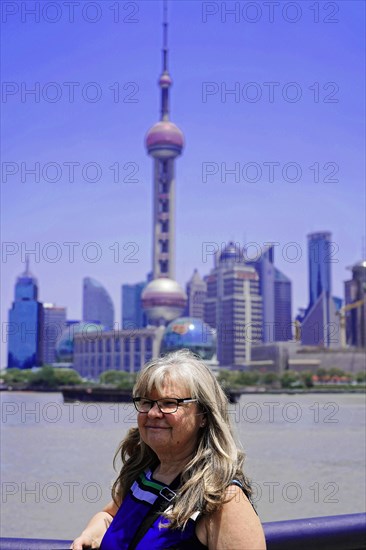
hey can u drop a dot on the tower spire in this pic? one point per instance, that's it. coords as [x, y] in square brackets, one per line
[165, 80]
[26, 272]
[163, 299]
[165, 36]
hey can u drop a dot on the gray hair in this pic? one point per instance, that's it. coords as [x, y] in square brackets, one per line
[217, 459]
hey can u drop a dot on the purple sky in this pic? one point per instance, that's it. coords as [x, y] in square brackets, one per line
[304, 67]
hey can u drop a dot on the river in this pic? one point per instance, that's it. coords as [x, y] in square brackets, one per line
[305, 456]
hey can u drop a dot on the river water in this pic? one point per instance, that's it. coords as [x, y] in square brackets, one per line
[305, 456]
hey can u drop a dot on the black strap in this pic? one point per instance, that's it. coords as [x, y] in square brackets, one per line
[164, 500]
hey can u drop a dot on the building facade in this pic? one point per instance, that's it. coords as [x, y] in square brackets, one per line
[133, 314]
[97, 304]
[54, 323]
[283, 326]
[275, 290]
[355, 306]
[319, 263]
[320, 325]
[264, 266]
[121, 350]
[25, 324]
[233, 306]
[196, 290]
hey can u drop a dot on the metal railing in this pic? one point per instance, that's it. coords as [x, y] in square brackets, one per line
[346, 532]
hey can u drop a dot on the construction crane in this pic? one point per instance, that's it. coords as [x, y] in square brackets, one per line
[342, 319]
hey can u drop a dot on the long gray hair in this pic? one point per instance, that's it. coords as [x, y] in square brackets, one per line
[216, 460]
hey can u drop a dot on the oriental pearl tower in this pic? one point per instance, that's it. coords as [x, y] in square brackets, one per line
[163, 298]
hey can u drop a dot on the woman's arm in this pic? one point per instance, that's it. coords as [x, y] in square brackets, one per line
[235, 526]
[92, 535]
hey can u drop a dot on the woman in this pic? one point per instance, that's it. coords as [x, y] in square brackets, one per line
[181, 469]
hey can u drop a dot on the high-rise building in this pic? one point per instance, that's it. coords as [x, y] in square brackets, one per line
[282, 307]
[320, 260]
[233, 306]
[320, 326]
[97, 304]
[196, 289]
[133, 315]
[275, 290]
[163, 299]
[25, 324]
[54, 323]
[355, 306]
[266, 271]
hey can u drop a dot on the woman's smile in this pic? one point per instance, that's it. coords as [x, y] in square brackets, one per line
[158, 427]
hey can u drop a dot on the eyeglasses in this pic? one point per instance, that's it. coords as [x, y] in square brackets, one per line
[167, 406]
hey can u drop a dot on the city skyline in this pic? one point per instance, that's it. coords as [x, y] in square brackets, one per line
[243, 136]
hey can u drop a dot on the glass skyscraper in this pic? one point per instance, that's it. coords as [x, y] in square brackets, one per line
[283, 307]
[54, 323]
[25, 324]
[320, 326]
[133, 315]
[97, 304]
[320, 260]
[275, 289]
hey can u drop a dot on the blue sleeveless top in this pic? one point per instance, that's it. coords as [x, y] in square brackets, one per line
[135, 506]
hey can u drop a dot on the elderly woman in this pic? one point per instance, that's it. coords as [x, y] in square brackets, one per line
[181, 485]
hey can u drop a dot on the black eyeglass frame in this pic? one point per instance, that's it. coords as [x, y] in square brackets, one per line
[153, 401]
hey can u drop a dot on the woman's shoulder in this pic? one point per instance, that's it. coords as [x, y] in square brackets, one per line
[235, 525]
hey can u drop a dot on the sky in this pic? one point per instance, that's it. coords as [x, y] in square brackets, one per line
[269, 96]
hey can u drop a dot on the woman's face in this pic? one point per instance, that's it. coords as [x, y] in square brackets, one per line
[175, 433]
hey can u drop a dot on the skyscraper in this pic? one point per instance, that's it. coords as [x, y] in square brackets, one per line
[233, 306]
[25, 323]
[97, 304]
[282, 307]
[275, 290]
[163, 298]
[196, 289]
[54, 323]
[133, 315]
[320, 326]
[355, 306]
[320, 260]
[266, 271]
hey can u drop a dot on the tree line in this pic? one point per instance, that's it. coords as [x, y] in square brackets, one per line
[49, 377]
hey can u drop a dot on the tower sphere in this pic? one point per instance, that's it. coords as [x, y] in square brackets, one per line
[163, 299]
[165, 80]
[164, 140]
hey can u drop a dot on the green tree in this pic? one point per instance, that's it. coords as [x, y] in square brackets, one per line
[67, 377]
[321, 372]
[110, 377]
[307, 378]
[44, 378]
[247, 378]
[289, 379]
[17, 376]
[361, 377]
[270, 378]
[225, 377]
[119, 379]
